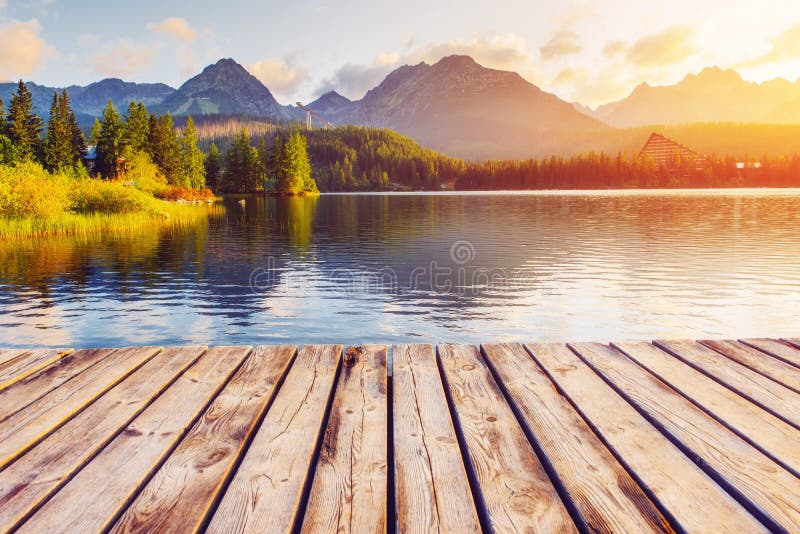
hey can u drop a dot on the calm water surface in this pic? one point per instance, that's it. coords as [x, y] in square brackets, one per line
[413, 268]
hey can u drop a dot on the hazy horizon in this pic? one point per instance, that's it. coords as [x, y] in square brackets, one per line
[591, 52]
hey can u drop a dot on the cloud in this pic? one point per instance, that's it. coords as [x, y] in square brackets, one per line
[498, 51]
[561, 43]
[354, 80]
[570, 75]
[22, 49]
[188, 62]
[615, 48]
[282, 76]
[668, 47]
[175, 27]
[785, 45]
[122, 59]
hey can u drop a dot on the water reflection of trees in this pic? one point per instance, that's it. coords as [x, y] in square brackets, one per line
[538, 238]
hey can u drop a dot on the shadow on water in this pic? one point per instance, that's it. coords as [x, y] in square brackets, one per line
[386, 268]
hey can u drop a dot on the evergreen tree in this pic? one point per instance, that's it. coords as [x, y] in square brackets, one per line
[295, 174]
[193, 160]
[168, 151]
[58, 141]
[213, 169]
[276, 164]
[64, 143]
[25, 126]
[3, 124]
[243, 172]
[94, 134]
[137, 127]
[110, 144]
[78, 140]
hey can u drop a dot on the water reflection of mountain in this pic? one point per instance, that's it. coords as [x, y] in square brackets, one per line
[546, 247]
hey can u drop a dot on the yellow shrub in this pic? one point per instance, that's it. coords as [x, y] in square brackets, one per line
[27, 190]
[99, 196]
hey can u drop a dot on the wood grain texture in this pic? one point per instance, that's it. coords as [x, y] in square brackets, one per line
[93, 500]
[608, 499]
[350, 484]
[37, 475]
[43, 416]
[769, 433]
[6, 355]
[180, 495]
[777, 349]
[265, 494]
[779, 371]
[693, 499]
[773, 492]
[780, 400]
[432, 488]
[27, 364]
[516, 490]
[25, 391]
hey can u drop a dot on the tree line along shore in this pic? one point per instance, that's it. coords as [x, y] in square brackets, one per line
[55, 179]
[133, 170]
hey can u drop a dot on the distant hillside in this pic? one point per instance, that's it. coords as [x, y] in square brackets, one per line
[226, 88]
[466, 110]
[90, 100]
[714, 95]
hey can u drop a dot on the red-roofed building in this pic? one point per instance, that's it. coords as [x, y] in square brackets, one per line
[671, 155]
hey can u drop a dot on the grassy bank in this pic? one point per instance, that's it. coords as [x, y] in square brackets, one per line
[34, 202]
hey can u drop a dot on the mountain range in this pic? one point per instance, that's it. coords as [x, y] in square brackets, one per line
[455, 105]
[713, 95]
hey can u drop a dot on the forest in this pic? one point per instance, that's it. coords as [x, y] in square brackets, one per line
[353, 158]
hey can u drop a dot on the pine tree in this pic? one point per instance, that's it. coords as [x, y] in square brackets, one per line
[64, 143]
[242, 169]
[25, 126]
[78, 140]
[295, 174]
[57, 141]
[167, 153]
[137, 127]
[213, 169]
[110, 143]
[194, 171]
[275, 163]
[94, 133]
[3, 124]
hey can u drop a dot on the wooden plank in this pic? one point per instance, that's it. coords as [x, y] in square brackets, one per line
[43, 416]
[516, 490]
[777, 370]
[765, 431]
[180, 495]
[33, 387]
[793, 341]
[37, 475]
[432, 489]
[695, 502]
[777, 349]
[776, 398]
[349, 489]
[770, 492]
[605, 495]
[92, 500]
[27, 364]
[6, 355]
[265, 494]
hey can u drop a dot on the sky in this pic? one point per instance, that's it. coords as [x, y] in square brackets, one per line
[589, 51]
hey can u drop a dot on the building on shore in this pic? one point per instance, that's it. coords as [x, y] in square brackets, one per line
[672, 156]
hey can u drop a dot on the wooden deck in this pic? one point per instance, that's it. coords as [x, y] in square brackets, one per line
[629, 437]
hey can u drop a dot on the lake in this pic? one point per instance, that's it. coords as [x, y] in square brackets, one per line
[421, 268]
